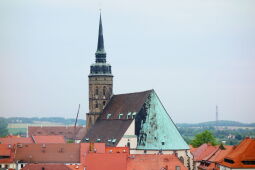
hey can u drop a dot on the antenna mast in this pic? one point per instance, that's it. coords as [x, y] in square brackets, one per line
[217, 114]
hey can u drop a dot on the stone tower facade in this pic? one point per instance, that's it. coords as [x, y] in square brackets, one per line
[100, 81]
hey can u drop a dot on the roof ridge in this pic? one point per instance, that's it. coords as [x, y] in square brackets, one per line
[134, 92]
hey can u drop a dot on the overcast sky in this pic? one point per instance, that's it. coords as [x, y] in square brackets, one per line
[193, 53]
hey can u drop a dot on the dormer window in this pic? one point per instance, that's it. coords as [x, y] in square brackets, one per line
[133, 115]
[120, 115]
[108, 115]
[129, 115]
[98, 140]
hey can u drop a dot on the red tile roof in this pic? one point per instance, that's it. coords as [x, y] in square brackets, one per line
[245, 151]
[219, 155]
[6, 151]
[48, 153]
[15, 139]
[76, 167]
[153, 162]
[48, 139]
[210, 162]
[47, 167]
[117, 150]
[203, 151]
[107, 161]
[69, 132]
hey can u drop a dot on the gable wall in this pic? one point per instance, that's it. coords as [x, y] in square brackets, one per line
[129, 136]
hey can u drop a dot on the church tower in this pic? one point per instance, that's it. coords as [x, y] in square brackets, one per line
[100, 81]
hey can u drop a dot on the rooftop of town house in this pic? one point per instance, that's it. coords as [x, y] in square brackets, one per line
[69, 132]
[49, 139]
[48, 153]
[203, 151]
[152, 161]
[242, 156]
[47, 167]
[6, 153]
[15, 139]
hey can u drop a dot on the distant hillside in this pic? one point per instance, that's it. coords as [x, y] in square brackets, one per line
[214, 123]
[37, 120]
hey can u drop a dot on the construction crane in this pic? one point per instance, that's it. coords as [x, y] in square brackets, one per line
[74, 134]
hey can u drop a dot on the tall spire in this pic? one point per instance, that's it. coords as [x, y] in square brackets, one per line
[100, 53]
[100, 43]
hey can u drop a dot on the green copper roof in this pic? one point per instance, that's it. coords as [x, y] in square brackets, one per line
[158, 131]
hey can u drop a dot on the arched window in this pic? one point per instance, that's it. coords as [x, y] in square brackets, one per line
[104, 90]
[96, 91]
[96, 105]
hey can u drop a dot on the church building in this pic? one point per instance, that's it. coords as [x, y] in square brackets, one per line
[137, 120]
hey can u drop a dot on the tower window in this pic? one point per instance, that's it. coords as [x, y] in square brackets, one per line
[96, 91]
[104, 103]
[104, 90]
[96, 105]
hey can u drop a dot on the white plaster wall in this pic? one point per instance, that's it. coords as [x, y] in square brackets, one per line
[227, 168]
[196, 165]
[10, 165]
[129, 136]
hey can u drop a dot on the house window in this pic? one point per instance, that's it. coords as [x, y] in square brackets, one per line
[21, 165]
[249, 162]
[177, 168]
[181, 159]
[229, 161]
[128, 144]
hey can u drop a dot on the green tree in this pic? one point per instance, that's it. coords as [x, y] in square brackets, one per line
[3, 127]
[204, 137]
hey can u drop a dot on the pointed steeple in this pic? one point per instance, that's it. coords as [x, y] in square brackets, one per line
[100, 43]
[100, 53]
[100, 67]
